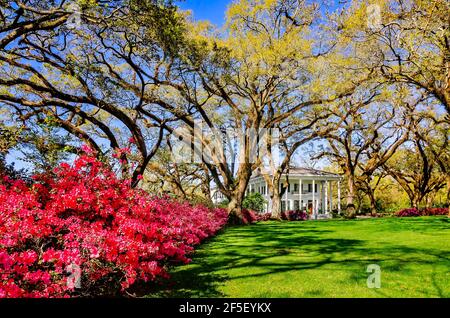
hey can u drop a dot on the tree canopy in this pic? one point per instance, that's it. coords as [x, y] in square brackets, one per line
[370, 80]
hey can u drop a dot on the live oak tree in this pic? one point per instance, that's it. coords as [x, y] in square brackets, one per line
[369, 129]
[8, 139]
[418, 177]
[421, 166]
[369, 186]
[263, 70]
[127, 73]
[85, 69]
[409, 41]
[306, 126]
[186, 181]
[135, 72]
[439, 145]
[440, 148]
[415, 41]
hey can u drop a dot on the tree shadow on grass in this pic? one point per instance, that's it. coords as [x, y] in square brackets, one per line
[248, 247]
[274, 248]
[188, 282]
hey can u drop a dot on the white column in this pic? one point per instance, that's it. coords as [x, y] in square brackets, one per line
[314, 198]
[326, 197]
[286, 198]
[300, 194]
[322, 196]
[331, 196]
[266, 195]
[281, 198]
[319, 195]
[339, 196]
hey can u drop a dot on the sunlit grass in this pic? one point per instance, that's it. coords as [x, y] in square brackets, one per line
[320, 259]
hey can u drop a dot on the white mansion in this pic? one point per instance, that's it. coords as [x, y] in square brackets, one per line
[308, 190]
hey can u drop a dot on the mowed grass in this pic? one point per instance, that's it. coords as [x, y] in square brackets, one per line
[326, 258]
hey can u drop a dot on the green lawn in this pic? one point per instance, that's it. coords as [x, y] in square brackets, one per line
[320, 259]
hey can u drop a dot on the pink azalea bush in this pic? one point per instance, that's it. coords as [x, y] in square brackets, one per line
[263, 216]
[249, 216]
[294, 215]
[408, 212]
[435, 211]
[423, 212]
[83, 231]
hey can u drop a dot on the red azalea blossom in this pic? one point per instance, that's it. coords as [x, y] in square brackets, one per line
[84, 217]
[421, 212]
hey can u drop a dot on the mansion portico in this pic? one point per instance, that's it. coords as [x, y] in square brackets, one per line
[309, 190]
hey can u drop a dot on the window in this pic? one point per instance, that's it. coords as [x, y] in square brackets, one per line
[315, 188]
[309, 187]
[295, 187]
[296, 206]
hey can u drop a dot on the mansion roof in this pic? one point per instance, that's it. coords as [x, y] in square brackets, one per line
[302, 171]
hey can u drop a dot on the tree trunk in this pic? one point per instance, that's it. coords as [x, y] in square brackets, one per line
[350, 211]
[429, 201]
[415, 202]
[448, 194]
[235, 205]
[373, 202]
[235, 209]
[2, 166]
[276, 208]
[276, 200]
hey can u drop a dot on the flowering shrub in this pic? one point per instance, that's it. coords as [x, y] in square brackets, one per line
[249, 216]
[408, 212]
[435, 211]
[294, 215]
[84, 227]
[423, 212]
[263, 217]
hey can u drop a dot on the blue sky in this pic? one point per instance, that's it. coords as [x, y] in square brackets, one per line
[212, 10]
